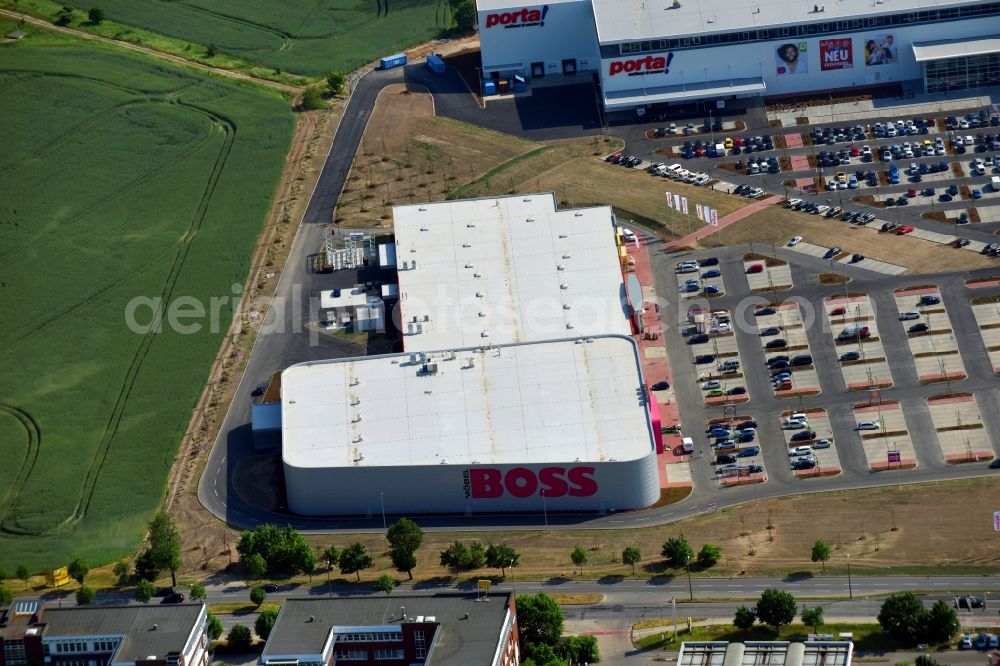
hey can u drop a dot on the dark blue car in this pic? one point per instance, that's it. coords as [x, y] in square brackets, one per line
[749, 451]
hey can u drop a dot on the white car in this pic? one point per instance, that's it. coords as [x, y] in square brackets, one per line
[907, 316]
[793, 425]
[722, 327]
[628, 235]
[821, 209]
[822, 444]
[702, 179]
[800, 451]
[869, 425]
[794, 240]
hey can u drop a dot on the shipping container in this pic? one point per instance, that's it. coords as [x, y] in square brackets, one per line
[436, 63]
[392, 61]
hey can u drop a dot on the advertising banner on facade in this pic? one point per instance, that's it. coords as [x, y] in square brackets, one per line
[791, 59]
[684, 205]
[835, 54]
[880, 50]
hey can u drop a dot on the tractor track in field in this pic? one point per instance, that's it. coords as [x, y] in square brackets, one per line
[286, 38]
[229, 73]
[34, 438]
[114, 421]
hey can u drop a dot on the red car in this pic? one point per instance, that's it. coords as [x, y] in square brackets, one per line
[903, 230]
[699, 152]
[839, 310]
[755, 268]
[912, 192]
[855, 151]
[783, 386]
[613, 157]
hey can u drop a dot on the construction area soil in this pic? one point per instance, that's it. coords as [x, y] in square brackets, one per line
[775, 225]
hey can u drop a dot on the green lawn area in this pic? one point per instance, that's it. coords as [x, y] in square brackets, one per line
[308, 37]
[123, 178]
[867, 637]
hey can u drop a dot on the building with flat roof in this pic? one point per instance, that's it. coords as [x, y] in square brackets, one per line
[820, 652]
[450, 629]
[712, 51]
[503, 270]
[471, 430]
[155, 635]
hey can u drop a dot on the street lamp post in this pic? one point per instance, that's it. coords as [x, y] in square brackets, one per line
[850, 588]
[690, 588]
[381, 501]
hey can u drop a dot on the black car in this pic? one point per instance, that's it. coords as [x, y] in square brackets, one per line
[736, 390]
[995, 464]
[919, 328]
[270, 588]
[804, 463]
[776, 344]
[831, 253]
[173, 598]
[755, 469]
[710, 261]
[856, 257]
[725, 459]
[802, 359]
[776, 359]
[704, 358]
[764, 311]
[699, 339]
[778, 365]
[928, 299]
[961, 242]
[749, 423]
[771, 330]
[660, 386]
[259, 390]
[804, 435]
[850, 356]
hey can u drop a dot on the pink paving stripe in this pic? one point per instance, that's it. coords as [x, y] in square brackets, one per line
[799, 162]
[819, 471]
[849, 299]
[917, 292]
[793, 140]
[743, 480]
[875, 408]
[980, 285]
[941, 376]
[884, 466]
[735, 216]
[879, 383]
[965, 457]
[958, 398]
[805, 183]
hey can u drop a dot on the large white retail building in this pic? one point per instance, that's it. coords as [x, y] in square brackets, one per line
[648, 52]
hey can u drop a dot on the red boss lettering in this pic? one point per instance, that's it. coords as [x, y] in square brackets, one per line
[582, 480]
[485, 483]
[650, 63]
[521, 482]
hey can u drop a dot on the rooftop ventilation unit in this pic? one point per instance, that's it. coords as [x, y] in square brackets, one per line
[430, 368]
[422, 208]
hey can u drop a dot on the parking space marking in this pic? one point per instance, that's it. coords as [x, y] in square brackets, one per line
[787, 318]
[892, 437]
[743, 470]
[771, 277]
[935, 351]
[988, 318]
[960, 430]
[870, 369]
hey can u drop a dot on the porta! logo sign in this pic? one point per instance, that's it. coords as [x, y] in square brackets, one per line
[641, 66]
[522, 18]
[487, 483]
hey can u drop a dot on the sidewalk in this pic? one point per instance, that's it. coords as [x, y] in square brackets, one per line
[920, 105]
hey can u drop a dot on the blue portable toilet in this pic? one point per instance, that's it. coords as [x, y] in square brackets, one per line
[519, 83]
[436, 63]
[489, 88]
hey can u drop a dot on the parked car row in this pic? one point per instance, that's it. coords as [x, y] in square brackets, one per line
[759, 165]
[748, 191]
[992, 249]
[678, 173]
[972, 121]
[832, 135]
[619, 157]
[908, 150]
[909, 127]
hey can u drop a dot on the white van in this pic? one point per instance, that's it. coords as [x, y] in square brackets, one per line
[995, 183]
[687, 445]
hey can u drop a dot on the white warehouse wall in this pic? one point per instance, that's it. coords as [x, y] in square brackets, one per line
[758, 59]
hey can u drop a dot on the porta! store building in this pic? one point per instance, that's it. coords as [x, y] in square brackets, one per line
[647, 52]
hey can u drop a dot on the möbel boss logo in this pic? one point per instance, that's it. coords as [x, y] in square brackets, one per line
[641, 66]
[487, 483]
[522, 18]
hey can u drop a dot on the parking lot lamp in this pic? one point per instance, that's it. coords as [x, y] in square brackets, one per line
[690, 587]
[850, 589]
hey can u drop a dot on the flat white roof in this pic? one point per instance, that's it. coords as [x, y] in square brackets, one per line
[541, 402]
[343, 298]
[505, 270]
[630, 20]
[955, 48]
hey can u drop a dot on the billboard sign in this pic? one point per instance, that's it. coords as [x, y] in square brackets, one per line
[894, 457]
[522, 482]
[996, 520]
[880, 50]
[525, 17]
[791, 59]
[651, 64]
[684, 205]
[835, 54]
[715, 217]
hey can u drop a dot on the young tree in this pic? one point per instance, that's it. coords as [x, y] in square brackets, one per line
[678, 551]
[331, 556]
[579, 557]
[539, 620]
[3, 573]
[354, 558]
[165, 544]
[813, 617]
[631, 555]
[942, 622]
[404, 537]
[211, 51]
[305, 560]
[257, 595]
[709, 555]
[903, 616]
[85, 595]
[96, 16]
[821, 553]
[23, 574]
[198, 591]
[385, 583]
[265, 622]
[541, 654]
[335, 81]
[501, 556]
[65, 16]
[460, 557]
[144, 591]
[5, 597]
[78, 570]
[579, 650]
[744, 618]
[122, 572]
[312, 99]
[776, 608]
[214, 628]
[256, 566]
[239, 638]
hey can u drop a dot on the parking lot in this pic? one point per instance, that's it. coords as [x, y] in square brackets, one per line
[786, 350]
[888, 437]
[716, 354]
[987, 315]
[959, 426]
[862, 359]
[812, 449]
[736, 452]
[766, 273]
[929, 334]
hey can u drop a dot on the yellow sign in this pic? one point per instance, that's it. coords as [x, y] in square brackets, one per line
[484, 585]
[56, 577]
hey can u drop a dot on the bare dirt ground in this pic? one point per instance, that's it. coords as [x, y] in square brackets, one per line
[775, 225]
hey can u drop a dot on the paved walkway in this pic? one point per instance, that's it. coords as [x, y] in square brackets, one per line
[923, 105]
[736, 216]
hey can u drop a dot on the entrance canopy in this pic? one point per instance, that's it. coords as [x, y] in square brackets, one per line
[955, 48]
[627, 99]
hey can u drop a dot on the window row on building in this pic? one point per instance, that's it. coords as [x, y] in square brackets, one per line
[368, 637]
[803, 30]
[952, 74]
